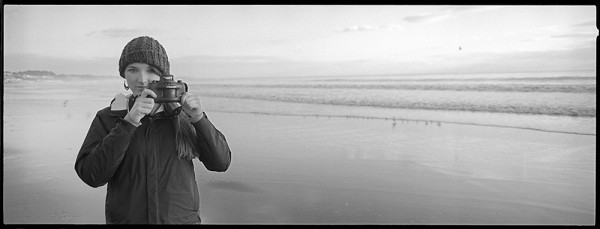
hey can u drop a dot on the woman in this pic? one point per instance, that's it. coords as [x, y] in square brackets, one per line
[144, 150]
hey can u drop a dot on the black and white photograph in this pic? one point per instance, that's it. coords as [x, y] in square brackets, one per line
[299, 114]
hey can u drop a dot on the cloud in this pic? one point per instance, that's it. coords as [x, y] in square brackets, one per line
[358, 28]
[426, 18]
[445, 13]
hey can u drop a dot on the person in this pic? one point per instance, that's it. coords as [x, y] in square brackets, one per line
[143, 150]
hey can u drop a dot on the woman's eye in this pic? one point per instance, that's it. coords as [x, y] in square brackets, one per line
[132, 70]
[153, 71]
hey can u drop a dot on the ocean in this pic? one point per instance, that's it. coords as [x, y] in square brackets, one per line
[562, 102]
[547, 101]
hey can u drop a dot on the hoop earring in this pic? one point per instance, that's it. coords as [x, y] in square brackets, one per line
[125, 85]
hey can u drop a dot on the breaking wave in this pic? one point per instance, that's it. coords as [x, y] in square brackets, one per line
[558, 95]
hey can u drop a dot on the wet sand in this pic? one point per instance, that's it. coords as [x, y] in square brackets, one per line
[342, 171]
[317, 170]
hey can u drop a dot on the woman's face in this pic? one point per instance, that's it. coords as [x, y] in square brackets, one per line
[139, 75]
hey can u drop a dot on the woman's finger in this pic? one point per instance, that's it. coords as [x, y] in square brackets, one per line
[147, 92]
[184, 97]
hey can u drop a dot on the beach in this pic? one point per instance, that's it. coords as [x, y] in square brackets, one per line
[344, 171]
[318, 163]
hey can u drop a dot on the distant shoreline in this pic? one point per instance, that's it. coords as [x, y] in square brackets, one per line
[188, 77]
[44, 75]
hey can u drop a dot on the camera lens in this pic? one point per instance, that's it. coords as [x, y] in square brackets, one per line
[169, 93]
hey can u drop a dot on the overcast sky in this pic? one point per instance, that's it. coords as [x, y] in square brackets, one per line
[242, 41]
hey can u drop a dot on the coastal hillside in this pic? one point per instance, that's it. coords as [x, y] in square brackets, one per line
[37, 75]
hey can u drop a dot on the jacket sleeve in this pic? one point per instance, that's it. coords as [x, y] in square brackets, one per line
[214, 151]
[103, 150]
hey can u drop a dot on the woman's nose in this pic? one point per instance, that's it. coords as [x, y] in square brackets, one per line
[144, 78]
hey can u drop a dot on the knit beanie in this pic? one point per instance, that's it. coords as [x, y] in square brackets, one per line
[144, 50]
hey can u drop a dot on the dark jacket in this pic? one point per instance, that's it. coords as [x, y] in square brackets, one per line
[147, 182]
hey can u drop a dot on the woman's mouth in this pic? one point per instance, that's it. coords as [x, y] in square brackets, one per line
[138, 89]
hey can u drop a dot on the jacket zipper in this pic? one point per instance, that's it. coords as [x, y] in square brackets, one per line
[150, 170]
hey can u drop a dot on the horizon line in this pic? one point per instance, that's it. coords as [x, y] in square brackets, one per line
[317, 76]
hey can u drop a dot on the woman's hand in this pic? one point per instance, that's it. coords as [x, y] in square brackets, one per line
[141, 107]
[191, 105]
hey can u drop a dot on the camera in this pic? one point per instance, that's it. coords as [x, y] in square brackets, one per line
[167, 90]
